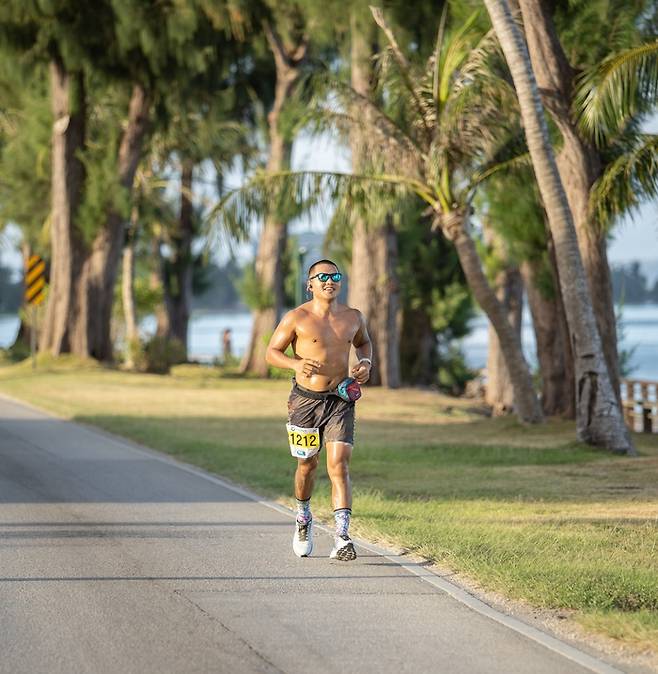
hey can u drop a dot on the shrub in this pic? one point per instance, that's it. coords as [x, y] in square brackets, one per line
[15, 353]
[160, 353]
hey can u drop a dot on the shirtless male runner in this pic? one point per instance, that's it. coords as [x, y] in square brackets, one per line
[321, 333]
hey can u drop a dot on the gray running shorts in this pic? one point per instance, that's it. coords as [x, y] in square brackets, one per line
[331, 414]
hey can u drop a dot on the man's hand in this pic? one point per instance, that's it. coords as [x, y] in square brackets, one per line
[361, 371]
[307, 367]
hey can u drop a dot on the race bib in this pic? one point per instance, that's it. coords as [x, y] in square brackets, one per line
[304, 442]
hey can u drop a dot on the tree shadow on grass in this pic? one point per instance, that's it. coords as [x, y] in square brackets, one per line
[480, 460]
[404, 461]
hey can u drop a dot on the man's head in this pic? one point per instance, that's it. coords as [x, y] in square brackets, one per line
[324, 279]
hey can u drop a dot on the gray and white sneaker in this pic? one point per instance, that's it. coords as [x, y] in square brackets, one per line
[302, 541]
[343, 549]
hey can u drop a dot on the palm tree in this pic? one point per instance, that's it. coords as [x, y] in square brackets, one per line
[601, 181]
[435, 132]
[579, 162]
[598, 418]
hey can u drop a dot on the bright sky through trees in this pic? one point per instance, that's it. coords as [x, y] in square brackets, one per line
[635, 238]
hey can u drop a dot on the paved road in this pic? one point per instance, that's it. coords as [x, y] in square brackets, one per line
[114, 559]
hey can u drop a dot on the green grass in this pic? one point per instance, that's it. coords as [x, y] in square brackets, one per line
[525, 511]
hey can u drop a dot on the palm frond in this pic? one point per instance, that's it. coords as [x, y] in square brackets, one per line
[473, 117]
[241, 207]
[477, 117]
[499, 165]
[436, 65]
[457, 51]
[377, 133]
[355, 112]
[621, 86]
[480, 63]
[413, 111]
[629, 180]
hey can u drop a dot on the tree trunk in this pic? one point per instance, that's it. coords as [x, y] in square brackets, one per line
[178, 279]
[272, 244]
[391, 299]
[68, 175]
[499, 389]
[128, 288]
[418, 358]
[553, 346]
[455, 228]
[90, 331]
[128, 278]
[156, 282]
[374, 290]
[269, 272]
[385, 320]
[419, 342]
[598, 418]
[579, 163]
[373, 283]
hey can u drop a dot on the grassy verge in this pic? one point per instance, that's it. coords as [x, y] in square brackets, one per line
[524, 511]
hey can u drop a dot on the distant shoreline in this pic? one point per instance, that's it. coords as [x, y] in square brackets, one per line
[639, 333]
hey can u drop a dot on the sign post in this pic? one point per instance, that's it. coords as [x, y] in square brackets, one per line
[35, 287]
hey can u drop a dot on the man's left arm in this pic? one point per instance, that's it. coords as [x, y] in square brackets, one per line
[363, 348]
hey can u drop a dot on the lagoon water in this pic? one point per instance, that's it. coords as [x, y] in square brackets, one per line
[639, 328]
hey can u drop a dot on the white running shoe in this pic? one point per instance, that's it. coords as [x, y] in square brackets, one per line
[302, 541]
[343, 549]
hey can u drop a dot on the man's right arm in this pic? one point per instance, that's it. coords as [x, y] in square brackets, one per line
[281, 340]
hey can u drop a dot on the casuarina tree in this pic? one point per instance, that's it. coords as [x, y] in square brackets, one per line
[67, 38]
[287, 38]
[135, 50]
[373, 279]
[155, 44]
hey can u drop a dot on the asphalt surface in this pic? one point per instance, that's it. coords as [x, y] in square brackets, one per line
[116, 559]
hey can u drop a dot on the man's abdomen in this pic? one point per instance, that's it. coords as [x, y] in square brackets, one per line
[334, 367]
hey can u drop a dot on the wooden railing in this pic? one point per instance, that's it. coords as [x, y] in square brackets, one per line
[640, 403]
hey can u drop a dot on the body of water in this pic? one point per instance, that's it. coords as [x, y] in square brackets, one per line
[640, 334]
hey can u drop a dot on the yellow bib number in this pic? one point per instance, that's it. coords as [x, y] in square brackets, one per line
[304, 442]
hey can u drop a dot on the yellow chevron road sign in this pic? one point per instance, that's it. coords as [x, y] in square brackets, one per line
[35, 280]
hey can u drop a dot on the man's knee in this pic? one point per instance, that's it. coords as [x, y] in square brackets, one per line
[339, 471]
[307, 466]
[338, 464]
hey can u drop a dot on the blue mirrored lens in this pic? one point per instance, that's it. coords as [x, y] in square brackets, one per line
[337, 276]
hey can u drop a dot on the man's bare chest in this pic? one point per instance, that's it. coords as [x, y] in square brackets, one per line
[330, 333]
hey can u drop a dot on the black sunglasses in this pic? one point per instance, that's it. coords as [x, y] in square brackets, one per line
[323, 276]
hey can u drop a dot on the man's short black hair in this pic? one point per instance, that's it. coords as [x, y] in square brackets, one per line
[315, 264]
